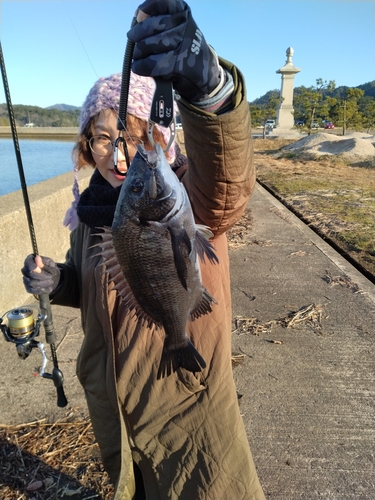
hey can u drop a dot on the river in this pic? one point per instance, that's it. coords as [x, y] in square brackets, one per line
[41, 160]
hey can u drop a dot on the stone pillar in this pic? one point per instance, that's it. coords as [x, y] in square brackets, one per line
[285, 111]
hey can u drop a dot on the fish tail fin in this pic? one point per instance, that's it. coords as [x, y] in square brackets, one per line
[183, 357]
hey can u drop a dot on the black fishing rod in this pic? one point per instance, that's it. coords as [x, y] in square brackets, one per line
[21, 329]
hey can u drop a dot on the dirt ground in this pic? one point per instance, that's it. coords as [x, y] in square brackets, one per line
[333, 193]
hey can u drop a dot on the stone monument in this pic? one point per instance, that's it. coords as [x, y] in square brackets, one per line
[285, 111]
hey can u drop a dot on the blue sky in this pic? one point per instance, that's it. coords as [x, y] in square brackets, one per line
[54, 50]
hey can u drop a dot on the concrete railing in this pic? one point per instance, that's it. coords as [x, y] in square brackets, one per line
[54, 133]
[49, 201]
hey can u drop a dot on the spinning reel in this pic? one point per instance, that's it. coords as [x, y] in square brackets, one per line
[21, 326]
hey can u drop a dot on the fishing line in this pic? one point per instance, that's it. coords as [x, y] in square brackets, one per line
[79, 38]
[123, 123]
[122, 111]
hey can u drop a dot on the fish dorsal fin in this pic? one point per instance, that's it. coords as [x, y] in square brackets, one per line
[204, 247]
[179, 240]
[204, 306]
[116, 276]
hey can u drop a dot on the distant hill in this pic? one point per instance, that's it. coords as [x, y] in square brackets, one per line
[41, 117]
[339, 92]
[66, 115]
[368, 88]
[63, 107]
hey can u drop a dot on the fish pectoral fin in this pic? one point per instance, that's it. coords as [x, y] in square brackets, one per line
[183, 357]
[111, 264]
[205, 231]
[204, 247]
[204, 306]
[180, 240]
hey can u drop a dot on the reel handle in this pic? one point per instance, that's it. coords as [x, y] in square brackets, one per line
[61, 399]
[57, 375]
[58, 378]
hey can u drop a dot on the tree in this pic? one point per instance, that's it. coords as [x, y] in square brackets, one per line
[347, 111]
[255, 111]
[366, 107]
[312, 102]
[260, 113]
[327, 105]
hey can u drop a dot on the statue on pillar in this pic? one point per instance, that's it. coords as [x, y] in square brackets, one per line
[285, 111]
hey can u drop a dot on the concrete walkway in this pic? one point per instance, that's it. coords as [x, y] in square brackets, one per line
[304, 324]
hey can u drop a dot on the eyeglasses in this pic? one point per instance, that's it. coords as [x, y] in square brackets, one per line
[102, 145]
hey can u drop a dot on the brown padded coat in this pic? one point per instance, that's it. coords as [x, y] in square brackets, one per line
[185, 431]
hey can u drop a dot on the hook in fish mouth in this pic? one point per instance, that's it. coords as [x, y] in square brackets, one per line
[150, 156]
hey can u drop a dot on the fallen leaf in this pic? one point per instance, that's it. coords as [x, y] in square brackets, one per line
[34, 485]
[48, 482]
[70, 493]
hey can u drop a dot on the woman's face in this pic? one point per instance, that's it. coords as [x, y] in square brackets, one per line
[106, 125]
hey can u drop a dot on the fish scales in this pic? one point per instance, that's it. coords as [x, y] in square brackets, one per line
[148, 256]
[157, 244]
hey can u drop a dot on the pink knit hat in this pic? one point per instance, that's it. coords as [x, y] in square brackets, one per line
[105, 94]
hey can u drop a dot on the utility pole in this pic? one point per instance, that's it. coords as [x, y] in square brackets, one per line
[344, 118]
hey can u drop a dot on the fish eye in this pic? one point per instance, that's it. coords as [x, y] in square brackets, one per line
[137, 185]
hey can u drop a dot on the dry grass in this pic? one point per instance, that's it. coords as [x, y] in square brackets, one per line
[41, 461]
[335, 198]
[310, 315]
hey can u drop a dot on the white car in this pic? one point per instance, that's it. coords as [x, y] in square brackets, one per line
[270, 124]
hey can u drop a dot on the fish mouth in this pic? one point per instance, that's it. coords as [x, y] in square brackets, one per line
[165, 197]
[158, 189]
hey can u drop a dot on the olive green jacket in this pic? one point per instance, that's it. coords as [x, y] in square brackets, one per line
[184, 431]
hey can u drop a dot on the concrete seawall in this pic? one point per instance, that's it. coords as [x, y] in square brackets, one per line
[52, 133]
[49, 201]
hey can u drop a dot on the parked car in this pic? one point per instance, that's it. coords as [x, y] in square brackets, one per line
[300, 123]
[329, 125]
[270, 124]
[314, 125]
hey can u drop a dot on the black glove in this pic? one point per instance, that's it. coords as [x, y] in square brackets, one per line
[168, 44]
[44, 282]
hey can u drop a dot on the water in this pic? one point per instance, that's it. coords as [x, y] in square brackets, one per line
[41, 160]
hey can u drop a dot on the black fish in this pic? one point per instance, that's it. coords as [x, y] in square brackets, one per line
[157, 244]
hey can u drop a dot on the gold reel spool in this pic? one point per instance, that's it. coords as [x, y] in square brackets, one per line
[20, 322]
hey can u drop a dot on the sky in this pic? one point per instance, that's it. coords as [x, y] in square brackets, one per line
[54, 50]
